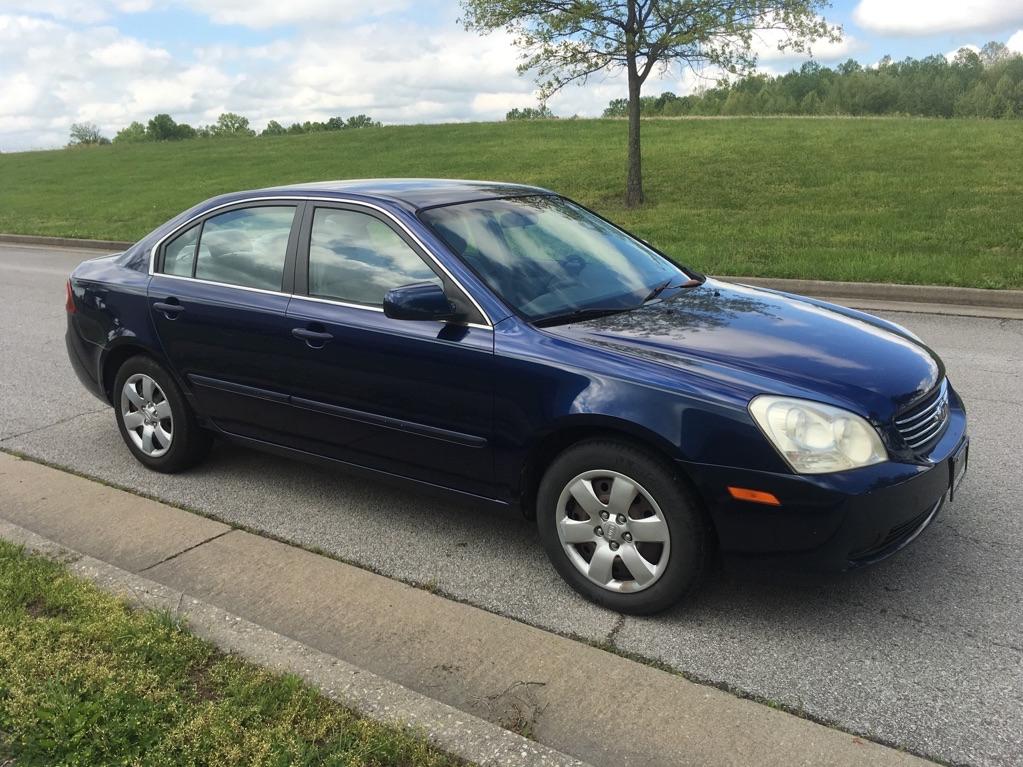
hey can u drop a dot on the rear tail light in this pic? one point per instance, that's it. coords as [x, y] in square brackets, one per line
[69, 300]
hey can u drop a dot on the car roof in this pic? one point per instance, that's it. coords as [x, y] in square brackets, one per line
[411, 193]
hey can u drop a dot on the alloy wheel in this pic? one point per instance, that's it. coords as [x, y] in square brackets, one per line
[146, 414]
[613, 531]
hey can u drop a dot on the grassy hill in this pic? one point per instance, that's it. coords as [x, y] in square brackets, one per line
[889, 199]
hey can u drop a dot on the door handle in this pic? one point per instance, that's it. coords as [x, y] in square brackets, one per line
[170, 310]
[314, 339]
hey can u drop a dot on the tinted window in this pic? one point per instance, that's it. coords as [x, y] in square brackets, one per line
[179, 253]
[245, 247]
[356, 257]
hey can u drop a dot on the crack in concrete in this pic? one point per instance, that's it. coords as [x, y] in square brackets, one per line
[50, 425]
[612, 635]
[186, 550]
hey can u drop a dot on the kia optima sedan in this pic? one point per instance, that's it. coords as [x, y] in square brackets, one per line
[507, 344]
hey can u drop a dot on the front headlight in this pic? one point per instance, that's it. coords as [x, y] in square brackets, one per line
[815, 438]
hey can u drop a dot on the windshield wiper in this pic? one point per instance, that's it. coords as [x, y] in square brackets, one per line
[581, 314]
[690, 283]
[601, 311]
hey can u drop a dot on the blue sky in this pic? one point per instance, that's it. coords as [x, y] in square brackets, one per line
[114, 61]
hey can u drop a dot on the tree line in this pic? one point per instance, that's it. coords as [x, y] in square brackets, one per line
[163, 127]
[986, 84]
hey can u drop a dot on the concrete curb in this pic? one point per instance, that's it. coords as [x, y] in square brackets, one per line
[962, 299]
[878, 291]
[456, 732]
[65, 242]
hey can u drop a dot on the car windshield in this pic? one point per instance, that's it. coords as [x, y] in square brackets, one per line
[550, 259]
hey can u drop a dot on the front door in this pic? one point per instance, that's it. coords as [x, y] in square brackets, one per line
[405, 397]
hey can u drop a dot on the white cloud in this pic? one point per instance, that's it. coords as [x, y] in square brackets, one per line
[766, 42]
[263, 14]
[1015, 43]
[55, 73]
[64, 61]
[127, 53]
[928, 17]
[80, 11]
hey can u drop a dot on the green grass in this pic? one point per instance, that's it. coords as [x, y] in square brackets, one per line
[84, 680]
[889, 199]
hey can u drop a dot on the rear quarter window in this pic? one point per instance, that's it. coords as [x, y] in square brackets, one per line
[179, 253]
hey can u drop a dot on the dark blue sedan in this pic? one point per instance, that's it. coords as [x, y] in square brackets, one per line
[505, 343]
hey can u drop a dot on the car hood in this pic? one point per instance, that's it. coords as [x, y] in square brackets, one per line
[819, 350]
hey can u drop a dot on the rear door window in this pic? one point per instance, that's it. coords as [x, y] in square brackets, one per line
[245, 247]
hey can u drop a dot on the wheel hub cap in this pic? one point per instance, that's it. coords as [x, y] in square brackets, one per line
[613, 531]
[146, 415]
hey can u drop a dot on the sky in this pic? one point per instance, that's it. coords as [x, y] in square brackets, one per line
[110, 62]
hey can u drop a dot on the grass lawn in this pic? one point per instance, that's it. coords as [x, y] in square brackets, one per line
[84, 680]
[886, 199]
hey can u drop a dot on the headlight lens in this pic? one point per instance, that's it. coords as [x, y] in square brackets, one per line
[815, 438]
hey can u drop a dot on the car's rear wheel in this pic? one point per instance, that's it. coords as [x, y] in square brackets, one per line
[621, 527]
[154, 419]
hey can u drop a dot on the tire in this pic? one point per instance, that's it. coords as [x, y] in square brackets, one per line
[154, 419]
[664, 524]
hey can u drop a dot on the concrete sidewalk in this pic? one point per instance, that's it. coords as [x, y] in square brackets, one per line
[579, 700]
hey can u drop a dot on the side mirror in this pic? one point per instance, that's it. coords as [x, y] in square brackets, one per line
[419, 301]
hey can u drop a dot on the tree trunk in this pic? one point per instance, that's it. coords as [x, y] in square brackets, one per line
[634, 184]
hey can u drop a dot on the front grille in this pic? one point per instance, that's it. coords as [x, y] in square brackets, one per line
[925, 422]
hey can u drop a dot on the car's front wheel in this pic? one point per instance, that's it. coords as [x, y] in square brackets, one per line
[621, 527]
[154, 419]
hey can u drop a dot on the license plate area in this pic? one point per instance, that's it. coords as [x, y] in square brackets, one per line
[957, 469]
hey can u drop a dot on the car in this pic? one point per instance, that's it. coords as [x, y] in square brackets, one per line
[507, 344]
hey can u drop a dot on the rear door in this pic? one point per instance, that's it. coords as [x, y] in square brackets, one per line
[411, 398]
[218, 299]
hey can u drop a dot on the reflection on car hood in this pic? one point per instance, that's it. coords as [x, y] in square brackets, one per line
[840, 354]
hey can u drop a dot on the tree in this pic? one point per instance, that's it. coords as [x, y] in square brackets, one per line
[617, 108]
[133, 134]
[569, 40]
[541, 112]
[162, 128]
[361, 121]
[231, 124]
[84, 134]
[993, 52]
[273, 128]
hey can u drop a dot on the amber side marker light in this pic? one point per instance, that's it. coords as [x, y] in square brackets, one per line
[754, 496]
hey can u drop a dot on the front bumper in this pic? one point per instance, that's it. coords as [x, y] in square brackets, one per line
[832, 521]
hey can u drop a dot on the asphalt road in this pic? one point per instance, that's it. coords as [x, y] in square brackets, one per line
[924, 651]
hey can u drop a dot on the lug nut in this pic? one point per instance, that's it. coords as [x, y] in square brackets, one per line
[598, 531]
[627, 536]
[614, 546]
[620, 519]
[604, 516]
